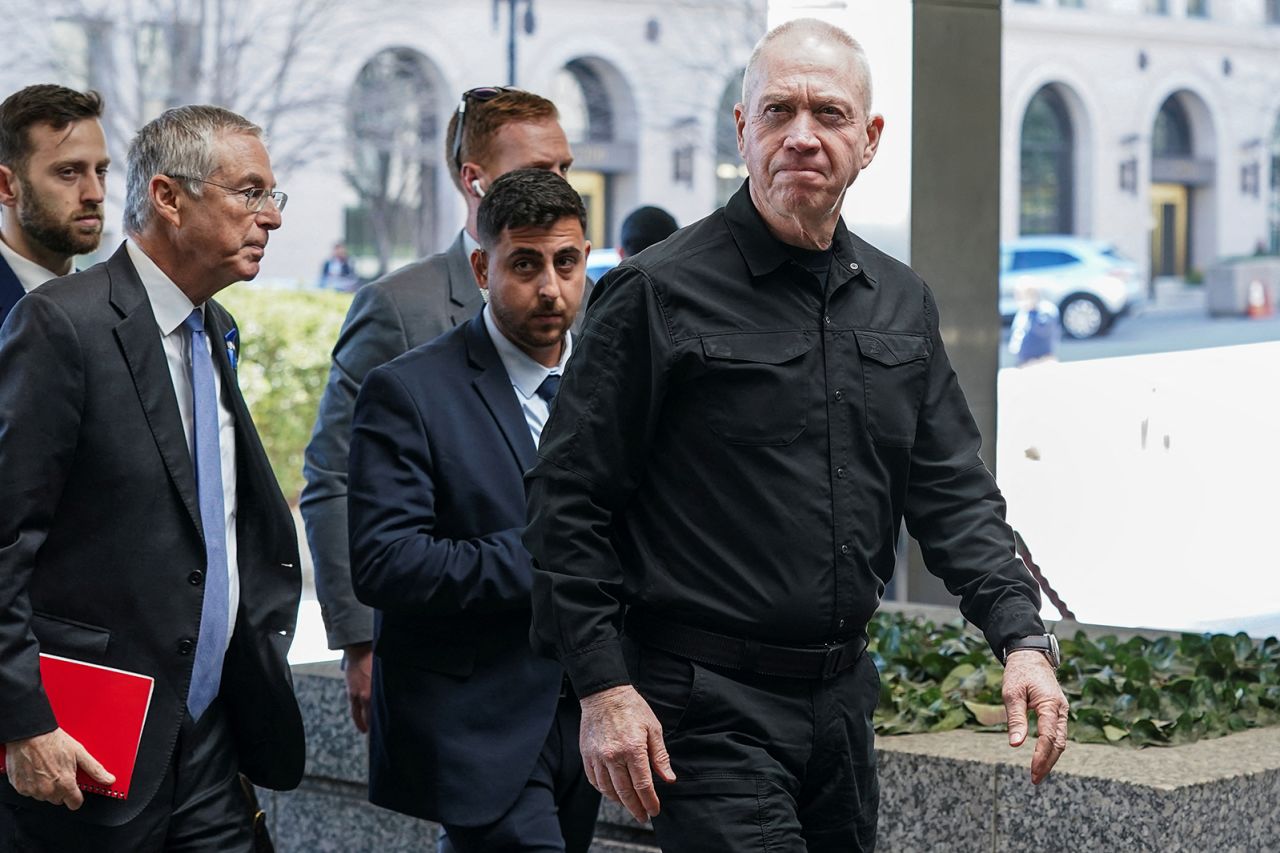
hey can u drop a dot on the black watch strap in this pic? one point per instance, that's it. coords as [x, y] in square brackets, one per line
[1046, 644]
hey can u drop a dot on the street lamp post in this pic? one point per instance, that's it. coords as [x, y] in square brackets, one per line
[529, 24]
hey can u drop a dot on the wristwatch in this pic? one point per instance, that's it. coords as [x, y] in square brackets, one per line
[1046, 644]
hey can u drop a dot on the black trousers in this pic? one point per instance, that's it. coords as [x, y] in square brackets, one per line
[556, 811]
[762, 763]
[199, 807]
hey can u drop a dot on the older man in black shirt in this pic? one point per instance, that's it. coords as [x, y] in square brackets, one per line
[755, 407]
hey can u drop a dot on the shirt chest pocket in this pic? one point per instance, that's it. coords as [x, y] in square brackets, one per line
[756, 387]
[894, 371]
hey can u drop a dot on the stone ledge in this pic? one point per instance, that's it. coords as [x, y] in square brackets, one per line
[951, 791]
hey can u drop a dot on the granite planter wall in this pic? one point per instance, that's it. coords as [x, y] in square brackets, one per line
[954, 791]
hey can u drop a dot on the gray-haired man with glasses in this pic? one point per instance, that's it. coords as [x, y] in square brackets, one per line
[255, 198]
[144, 530]
[494, 130]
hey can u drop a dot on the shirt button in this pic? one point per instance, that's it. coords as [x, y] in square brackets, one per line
[840, 624]
[195, 578]
[853, 267]
[844, 549]
[840, 472]
[185, 647]
[839, 395]
[826, 318]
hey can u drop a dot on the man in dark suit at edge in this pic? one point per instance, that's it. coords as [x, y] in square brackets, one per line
[143, 528]
[53, 173]
[493, 131]
[469, 727]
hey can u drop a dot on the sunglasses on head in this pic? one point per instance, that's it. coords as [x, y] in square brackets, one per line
[479, 94]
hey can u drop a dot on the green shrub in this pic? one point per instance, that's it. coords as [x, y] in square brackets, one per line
[1135, 692]
[286, 337]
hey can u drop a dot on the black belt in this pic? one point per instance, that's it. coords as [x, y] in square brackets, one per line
[708, 647]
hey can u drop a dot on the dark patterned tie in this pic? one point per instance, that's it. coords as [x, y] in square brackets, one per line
[547, 390]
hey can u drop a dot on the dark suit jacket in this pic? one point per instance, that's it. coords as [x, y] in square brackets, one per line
[387, 318]
[461, 705]
[10, 289]
[100, 531]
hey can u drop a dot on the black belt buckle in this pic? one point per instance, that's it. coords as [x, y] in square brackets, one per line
[834, 656]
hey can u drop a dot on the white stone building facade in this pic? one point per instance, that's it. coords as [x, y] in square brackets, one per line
[1169, 120]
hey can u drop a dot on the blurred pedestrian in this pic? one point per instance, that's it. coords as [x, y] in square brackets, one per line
[1036, 330]
[643, 227]
[337, 272]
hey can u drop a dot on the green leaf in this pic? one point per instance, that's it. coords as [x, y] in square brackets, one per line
[957, 675]
[954, 719]
[987, 715]
[1114, 733]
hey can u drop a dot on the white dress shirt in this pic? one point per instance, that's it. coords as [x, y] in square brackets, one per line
[171, 307]
[30, 274]
[526, 375]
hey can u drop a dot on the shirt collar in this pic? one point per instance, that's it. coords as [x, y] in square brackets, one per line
[765, 253]
[170, 305]
[469, 243]
[30, 274]
[525, 373]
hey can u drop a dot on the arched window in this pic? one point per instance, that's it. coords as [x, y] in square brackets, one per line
[1172, 134]
[1048, 170]
[394, 144]
[730, 170]
[584, 103]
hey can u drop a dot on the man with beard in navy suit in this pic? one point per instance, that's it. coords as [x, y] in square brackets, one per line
[469, 727]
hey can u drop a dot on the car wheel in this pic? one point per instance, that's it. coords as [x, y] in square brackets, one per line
[1084, 316]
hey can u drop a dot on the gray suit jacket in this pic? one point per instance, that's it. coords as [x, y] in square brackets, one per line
[389, 317]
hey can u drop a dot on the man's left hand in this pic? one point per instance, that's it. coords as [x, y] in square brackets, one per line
[1029, 681]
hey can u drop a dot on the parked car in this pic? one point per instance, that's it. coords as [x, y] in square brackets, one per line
[1090, 281]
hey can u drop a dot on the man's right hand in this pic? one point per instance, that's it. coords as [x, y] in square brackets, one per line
[357, 665]
[44, 768]
[621, 740]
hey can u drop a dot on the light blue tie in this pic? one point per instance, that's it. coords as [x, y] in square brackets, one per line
[211, 645]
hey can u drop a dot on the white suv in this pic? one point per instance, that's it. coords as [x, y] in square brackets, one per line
[1089, 280]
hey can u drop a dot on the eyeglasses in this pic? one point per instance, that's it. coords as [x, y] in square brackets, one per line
[255, 198]
[481, 94]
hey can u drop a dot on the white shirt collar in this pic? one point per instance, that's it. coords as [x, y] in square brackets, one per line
[469, 243]
[30, 274]
[170, 305]
[525, 373]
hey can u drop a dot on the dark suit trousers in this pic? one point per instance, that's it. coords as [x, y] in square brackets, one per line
[556, 811]
[785, 765]
[199, 807]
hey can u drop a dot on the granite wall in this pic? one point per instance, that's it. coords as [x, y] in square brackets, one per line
[953, 791]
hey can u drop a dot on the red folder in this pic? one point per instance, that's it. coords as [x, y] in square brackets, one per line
[102, 708]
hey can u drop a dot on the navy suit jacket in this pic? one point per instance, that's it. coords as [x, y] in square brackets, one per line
[436, 502]
[10, 289]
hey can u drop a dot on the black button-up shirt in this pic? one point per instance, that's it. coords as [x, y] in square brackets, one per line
[734, 447]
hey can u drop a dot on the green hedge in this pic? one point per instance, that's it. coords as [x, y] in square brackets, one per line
[1135, 692]
[286, 337]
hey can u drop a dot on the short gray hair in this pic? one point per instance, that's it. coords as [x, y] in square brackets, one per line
[823, 30]
[177, 142]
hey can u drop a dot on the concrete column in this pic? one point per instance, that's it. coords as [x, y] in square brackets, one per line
[955, 204]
